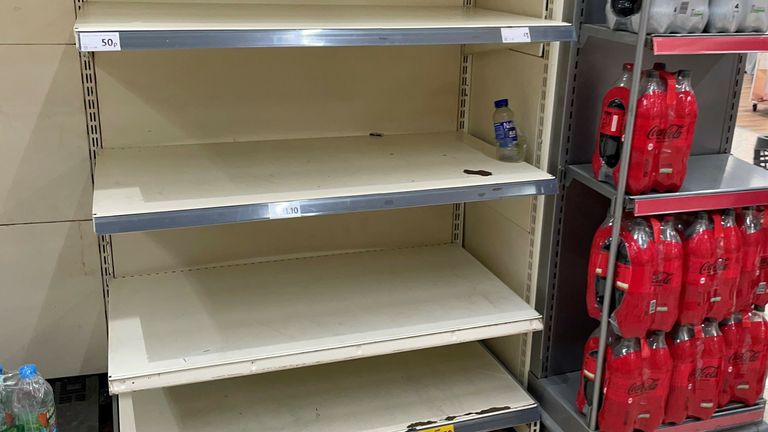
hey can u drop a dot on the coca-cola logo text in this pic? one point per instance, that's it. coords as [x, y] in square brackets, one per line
[749, 356]
[638, 388]
[711, 268]
[708, 372]
[672, 131]
[662, 278]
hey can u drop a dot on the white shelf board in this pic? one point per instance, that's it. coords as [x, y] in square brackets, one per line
[460, 385]
[221, 25]
[175, 186]
[200, 325]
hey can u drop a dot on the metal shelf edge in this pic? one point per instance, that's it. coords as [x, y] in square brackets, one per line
[188, 39]
[255, 212]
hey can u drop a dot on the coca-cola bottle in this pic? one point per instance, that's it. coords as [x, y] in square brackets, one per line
[760, 297]
[623, 386]
[584, 402]
[650, 118]
[706, 377]
[700, 268]
[612, 120]
[657, 373]
[751, 240]
[633, 291]
[676, 141]
[746, 340]
[728, 247]
[598, 268]
[668, 273]
[682, 347]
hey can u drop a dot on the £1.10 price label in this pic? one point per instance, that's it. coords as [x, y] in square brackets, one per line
[100, 41]
[282, 210]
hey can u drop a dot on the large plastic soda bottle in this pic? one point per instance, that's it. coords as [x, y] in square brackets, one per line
[753, 16]
[598, 268]
[633, 291]
[650, 119]
[700, 269]
[724, 16]
[612, 120]
[33, 403]
[668, 273]
[751, 240]
[746, 339]
[623, 386]
[676, 142]
[625, 15]
[707, 375]
[682, 347]
[584, 402]
[728, 246]
[691, 16]
[760, 297]
[657, 373]
[509, 147]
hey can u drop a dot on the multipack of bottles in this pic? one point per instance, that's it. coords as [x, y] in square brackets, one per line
[687, 332]
[665, 122]
[26, 401]
[690, 16]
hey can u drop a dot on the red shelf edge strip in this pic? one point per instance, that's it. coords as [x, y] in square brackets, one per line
[673, 204]
[709, 44]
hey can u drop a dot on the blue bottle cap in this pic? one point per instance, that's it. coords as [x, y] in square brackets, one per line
[28, 371]
[501, 103]
[2, 369]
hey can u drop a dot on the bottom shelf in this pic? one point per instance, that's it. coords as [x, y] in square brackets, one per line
[557, 396]
[459, 385]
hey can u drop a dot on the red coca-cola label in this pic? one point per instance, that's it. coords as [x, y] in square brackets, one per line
[662, 278]
[702, 373]
[612, 121]
[643, 387]
[711, 268]
[744, 357]
[673, 131]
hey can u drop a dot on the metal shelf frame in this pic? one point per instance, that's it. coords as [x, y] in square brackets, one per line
[557, 394]
[143, 26]
[683, 44]
[713, 181]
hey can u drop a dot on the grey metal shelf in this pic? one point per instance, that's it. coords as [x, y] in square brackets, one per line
[557, 396]
[683, 44]
[148, 26]
[174, 186]
[713, 181]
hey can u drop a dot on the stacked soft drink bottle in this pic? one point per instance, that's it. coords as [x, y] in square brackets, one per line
[26, 401]
[665, 121]
[690, 16]
[700, 278]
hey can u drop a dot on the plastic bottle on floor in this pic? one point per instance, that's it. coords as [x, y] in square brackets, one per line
[509, 147]
[33, 403]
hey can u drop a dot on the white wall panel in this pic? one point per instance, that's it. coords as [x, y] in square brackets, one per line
[37, 21]
[155, 251]
[52, 308]
[44, 168]
[193, 96]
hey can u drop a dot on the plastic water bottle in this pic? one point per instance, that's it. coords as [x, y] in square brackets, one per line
[33, 404]
[509, 148]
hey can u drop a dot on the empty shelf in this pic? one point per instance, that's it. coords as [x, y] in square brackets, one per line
[143, 26]
[461, 386]
[697, 43]
[177, 186]
[713, 182]
[200, 325]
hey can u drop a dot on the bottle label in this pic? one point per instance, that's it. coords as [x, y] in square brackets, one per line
[506, 134]
[612, 121]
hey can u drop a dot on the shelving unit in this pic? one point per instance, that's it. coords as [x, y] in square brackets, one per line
[253, 318]
[713, 181]
[382, 394]
[364, 319]
[684, 44]
[177, 186]
[144, 26]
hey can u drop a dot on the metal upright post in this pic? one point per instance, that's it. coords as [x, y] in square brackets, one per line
[618, 207]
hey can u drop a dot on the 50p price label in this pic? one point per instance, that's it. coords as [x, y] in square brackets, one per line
[100, 41]
[289, 209]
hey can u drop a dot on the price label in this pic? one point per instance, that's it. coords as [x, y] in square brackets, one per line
[448, 428]
[100, 41]
[515, 35]
[284, 210]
